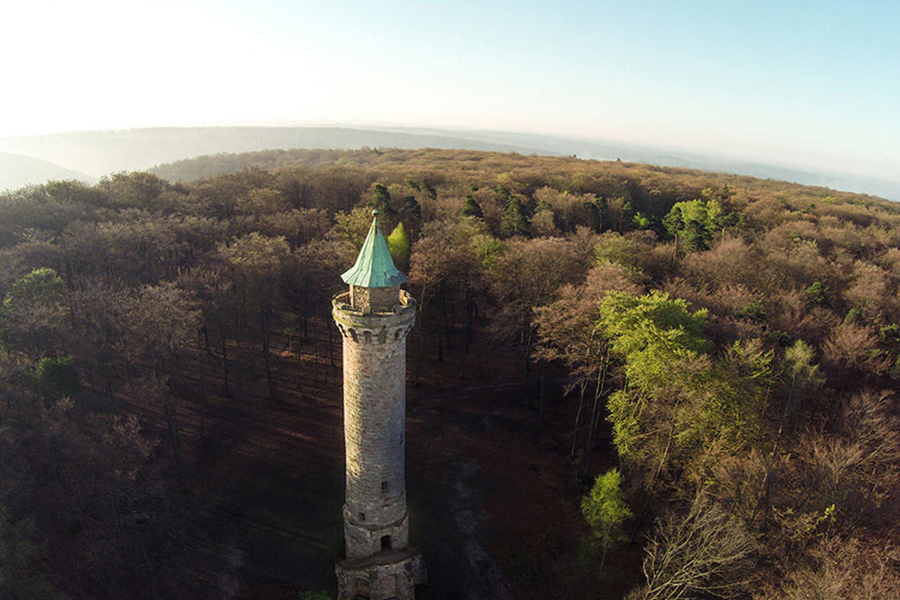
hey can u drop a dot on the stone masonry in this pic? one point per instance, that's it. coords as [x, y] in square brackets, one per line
[379, 563]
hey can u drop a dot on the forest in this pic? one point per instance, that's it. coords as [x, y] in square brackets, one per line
[630, 381]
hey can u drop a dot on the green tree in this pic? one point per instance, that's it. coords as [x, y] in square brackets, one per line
[695, 222]
[661, 345]
[57, 376]
[605, 510]
[817, 294]
[514, 220]
[398, 245]
[804, 376]
[381, 201]
[471, 208]
[33, 312]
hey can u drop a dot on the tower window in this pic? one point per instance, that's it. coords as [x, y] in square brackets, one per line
[385, 487]
[362, 516]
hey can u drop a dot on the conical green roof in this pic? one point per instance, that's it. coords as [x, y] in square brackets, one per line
[374, 266]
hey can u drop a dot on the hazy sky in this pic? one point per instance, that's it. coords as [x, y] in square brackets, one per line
[800, 83]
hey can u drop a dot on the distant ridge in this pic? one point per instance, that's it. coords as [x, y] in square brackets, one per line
[17, 171]
[103, 152]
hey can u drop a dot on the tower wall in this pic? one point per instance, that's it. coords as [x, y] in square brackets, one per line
[368, 300]
[374, 344]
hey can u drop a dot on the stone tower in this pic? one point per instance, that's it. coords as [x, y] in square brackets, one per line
[374, 318]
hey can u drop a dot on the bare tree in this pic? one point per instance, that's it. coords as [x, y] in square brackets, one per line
[705, 553]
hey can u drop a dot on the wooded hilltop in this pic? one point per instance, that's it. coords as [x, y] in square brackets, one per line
[703, 365]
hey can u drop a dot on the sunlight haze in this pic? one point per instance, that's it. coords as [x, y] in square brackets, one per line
[797, 83]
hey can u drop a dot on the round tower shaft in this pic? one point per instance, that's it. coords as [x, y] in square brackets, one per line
[374, 344]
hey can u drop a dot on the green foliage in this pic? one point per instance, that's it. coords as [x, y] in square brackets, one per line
[617, 249]
[488, 250]
[411, 213]
[502, 196]
[732, 402]
[652, 334]
[41, 285]
[817, 295]
[639, 221]
[694, 222]
[854, 316]
[471, 208]
[33, 311]
[605, 510]
[678, 403]
[381, 201]
[753, 311]
[801, 367]
[653, 324]
[890, 335]
[57, 376]
[514, 221]
[398, 245]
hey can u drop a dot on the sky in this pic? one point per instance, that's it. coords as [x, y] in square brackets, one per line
[799, 83]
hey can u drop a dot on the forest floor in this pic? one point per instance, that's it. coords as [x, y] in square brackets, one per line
[493, 495]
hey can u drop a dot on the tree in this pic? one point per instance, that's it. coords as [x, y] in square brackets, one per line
[567, 332]
[817, 294]
[57, 376]
[398, 245]
[514, 222]
[471, 208]
[23, 571]
[527, 276]
[695, 222]
[381, 201]
[804, 376]
[33, 312]
[257, 265]
[605, 510]
[352, 226]
[660, 343]
[704, 553]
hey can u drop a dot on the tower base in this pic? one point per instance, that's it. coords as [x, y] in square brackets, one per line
[391, 575]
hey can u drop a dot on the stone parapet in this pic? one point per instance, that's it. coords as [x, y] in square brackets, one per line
[374, 326]
[384, 576]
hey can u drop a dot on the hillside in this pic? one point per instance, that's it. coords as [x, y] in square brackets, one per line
[100, 153]
[17, 171]
[619, 374]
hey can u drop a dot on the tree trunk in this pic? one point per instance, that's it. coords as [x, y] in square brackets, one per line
[578, 417]
[440, 337]
[202, 400]
[599, 391]
[542, 390]
[226, 391]
[264, 317]
[447, 320]
[467, 324]
[174, 437]
[299, 362]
